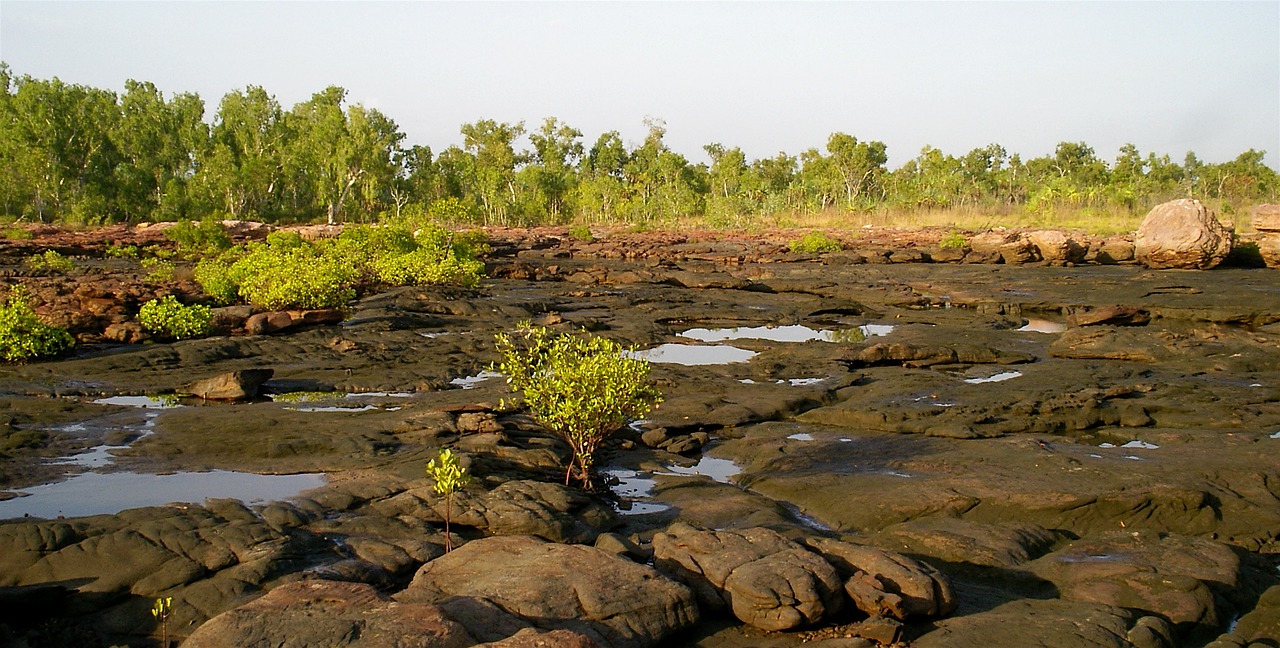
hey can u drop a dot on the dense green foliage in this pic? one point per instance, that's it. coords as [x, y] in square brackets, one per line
[581, 388]
[23, 336]
[815, 243]
[199, 240]
[287, 271]
[169, 317]
[71, 153]
[49, 261]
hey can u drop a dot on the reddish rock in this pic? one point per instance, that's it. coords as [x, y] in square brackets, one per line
[234, 385]
[1266, 218]
[1182, 234]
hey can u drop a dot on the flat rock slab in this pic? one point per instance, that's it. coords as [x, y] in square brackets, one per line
[556, 586]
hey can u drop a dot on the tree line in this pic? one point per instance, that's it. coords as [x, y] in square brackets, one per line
[76, 154]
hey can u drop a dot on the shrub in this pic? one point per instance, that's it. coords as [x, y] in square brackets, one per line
[953, 240]
[581, 233]
[207, 239]
[23, 336]
[50, 261]
[117, 251]
[15, 233]
[170, 318]
[158, 270]
[581, 388]
[278, 275]
[815, 243]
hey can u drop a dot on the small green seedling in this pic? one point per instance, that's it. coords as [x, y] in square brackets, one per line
[160, 612]
[450, 477]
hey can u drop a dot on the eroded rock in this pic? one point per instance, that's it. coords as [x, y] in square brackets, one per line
[1182, 234]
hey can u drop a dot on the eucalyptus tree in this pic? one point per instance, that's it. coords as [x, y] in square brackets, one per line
[551, 175]
[58, 155]
[157, 142]
[241, 169]
[493, 179]
[735, 188]
[602, 190]
[338, 156]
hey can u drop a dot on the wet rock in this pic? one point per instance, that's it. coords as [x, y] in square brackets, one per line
[327, 613]
[767, 580]
[1169, 575]
[1257, 627]
[918, 355]
[962, 541]
[551, 511]
[556, 586]
[234, 385]
[883, 583]
[1110, 315]
[1182, 234]
[1030, 622]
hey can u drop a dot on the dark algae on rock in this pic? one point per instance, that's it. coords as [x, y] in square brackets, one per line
[1030, 440]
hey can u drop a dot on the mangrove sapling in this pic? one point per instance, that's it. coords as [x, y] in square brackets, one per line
[160, 612]
[450, 477]
[582, 388]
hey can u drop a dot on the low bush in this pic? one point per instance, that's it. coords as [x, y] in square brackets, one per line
[583, 389]
[158, 270]
[815, 243]
[197, 241]
[953, 240]
[24, 336]
[170, 318]
[50, 261]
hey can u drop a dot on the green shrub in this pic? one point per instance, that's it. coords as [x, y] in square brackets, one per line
[581, 233]
[953, 240]
[208, 238]
[815, 243]
[450, 477]
[117, 251]
[170, 318]
[50, 261]
[279, 275]
[214, 277]
[23, 336]
[15, 233]
[581, 388]
[158, 270]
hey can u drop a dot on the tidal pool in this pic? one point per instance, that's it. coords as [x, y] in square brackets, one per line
[788, 333]
[631, 487]
[691, 355]
[108, 493]
[471, 382]
[1043, 326]
[718, 469]
[1000, 377]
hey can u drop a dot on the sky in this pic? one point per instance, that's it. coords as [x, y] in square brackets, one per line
[769, 77]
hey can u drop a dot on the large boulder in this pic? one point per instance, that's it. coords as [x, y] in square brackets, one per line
[1266, 219]
[767, 580]
[1056, 247]
[884, 583]
[331, 613]
[555, 586]
[1182, 234]
[233, 385]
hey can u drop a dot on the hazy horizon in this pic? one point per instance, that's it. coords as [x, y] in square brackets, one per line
[1168, 77]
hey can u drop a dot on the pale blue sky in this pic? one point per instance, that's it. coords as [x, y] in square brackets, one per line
[1167, 76]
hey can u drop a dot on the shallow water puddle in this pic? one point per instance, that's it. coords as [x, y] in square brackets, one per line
[471, 382]
[691, 355]
[1043, 326]
[717, 469]
[108, 493]
[800, 436]
[145, 402]
[788, 333]
[1142, 445]
[794, 382]
[1276, 435]
[1000, 377]
[632, 486]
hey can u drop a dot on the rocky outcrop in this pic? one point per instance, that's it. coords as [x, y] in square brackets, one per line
[767, 580]
[1172, 576]
[555, 586]
[884, 583]
[1266, 220]
[1182, 234]
[276, 321]
[330, 613]
[233, 385]
[1057, 248]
